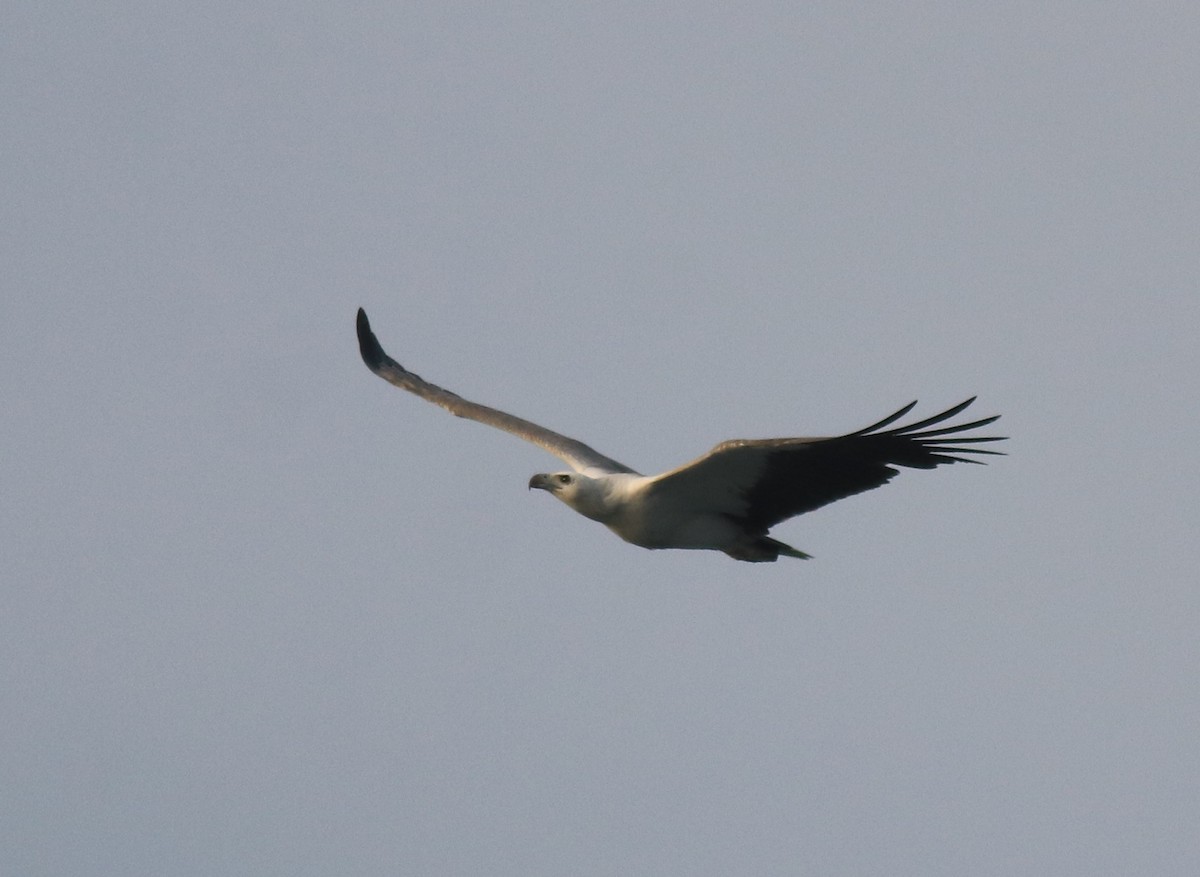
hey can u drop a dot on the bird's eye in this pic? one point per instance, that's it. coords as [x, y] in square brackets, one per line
[564, 479]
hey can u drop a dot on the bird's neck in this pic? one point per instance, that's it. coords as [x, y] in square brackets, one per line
[600, 498]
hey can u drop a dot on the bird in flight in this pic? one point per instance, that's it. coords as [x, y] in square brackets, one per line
[728, 499]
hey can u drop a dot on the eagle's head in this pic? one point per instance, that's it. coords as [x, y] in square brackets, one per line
[588, 496]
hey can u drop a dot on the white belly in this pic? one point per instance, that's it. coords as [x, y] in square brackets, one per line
[666, 531]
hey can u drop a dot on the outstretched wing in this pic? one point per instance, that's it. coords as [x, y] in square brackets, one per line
[763, 482]
[574, 453]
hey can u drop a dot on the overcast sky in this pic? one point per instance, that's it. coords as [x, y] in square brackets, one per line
[264, 614]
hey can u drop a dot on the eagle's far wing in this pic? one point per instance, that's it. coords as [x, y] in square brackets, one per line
[764, 481]
[574, 453]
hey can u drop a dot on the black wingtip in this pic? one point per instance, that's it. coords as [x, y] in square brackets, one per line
[368, 345]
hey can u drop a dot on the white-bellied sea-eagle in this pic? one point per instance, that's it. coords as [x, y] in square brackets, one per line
[728, 499]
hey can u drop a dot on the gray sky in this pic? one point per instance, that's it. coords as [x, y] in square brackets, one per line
[264, 614]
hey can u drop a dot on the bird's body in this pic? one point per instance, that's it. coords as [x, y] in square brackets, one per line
[726, 500]
[637, 509]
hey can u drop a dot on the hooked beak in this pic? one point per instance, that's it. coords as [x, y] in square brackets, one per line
[540, 481]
